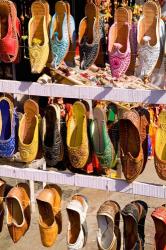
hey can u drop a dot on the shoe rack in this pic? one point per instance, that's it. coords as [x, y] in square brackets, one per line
[37, 170]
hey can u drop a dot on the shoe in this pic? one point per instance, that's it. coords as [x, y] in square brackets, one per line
[8, 127]
[38, 40]
[148, 38]
[2, 195]
[52, 144]
[159, 218]
[131, 152]
[134, 215]
[49, 206]
[70, 57]
[144, 131]
[18, 211]
[10, 31]
[77, 136]
[29, 131]
[101, 142]
[59, 34]
[160, 146]
[119, 50]
[108, 218]
[77, 228]
[89, 36]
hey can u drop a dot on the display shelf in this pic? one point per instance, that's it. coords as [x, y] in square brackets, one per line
[86, 181]
[84, 92]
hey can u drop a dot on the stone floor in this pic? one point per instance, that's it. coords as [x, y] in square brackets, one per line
[31, 241]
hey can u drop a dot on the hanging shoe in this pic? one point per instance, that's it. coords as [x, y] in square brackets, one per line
[148, 39]
[131, 152]
[134, 215]
[18, 211]
[77, 229]
[119, 50]
[100, 139]
[2, 210]
[77, 136]
[108, 217]
[70, 57]
[38, 40]
[52, 144]
[160, 146]
[159, 218]
[59, 34]
[8, 127]
[10, 32]
[29, 131]
[89, 36]
[49, 206]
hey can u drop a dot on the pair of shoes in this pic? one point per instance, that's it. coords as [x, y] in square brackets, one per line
[100, 139]
[50, 221]
[10, 32]
[89, 35]
[77, 232]
[52, 139]
[119, 49]
[77, 136]
[8, 127]
[18, 211]
[159, 218]
[134, 127]
[28, 132]
[149, 38]
[160, 146]
[62, 35]
[38, 37]
[134, 215]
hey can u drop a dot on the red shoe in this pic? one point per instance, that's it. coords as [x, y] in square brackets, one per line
[10, 32]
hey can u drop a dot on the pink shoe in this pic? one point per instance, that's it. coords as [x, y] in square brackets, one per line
[119, 50]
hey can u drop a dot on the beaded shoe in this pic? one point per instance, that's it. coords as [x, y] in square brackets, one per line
[52, 144]
[89, 36]
[38, 40]
[119, 50]
[59, 34]
[8, 128]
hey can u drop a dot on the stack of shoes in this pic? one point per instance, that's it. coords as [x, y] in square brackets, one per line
[49, 206]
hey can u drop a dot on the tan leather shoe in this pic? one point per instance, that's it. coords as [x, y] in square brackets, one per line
[49, 205]
[2, 211]
[18, 211]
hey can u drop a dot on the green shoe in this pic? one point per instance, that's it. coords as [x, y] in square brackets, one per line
[100, 139]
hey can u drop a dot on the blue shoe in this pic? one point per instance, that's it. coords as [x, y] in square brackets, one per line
[59, 34]
[8, 128]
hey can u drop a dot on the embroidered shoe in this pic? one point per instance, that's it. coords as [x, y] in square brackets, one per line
[160, 146]
[131, 152]
[38, 40]
[100, 139]
[18, 211]
[77, 229]
[52, 144]
[119, 50]
[148, 39]
[2, 210]
[77, 136]
[59, 34]
[10, 32]
[29, 131]
[8, 127]
[89, 36]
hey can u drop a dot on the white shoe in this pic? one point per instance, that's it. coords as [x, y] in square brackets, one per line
[77, 228]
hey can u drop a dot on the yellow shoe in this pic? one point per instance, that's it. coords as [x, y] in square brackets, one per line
[29, 131]
[38, 40]
[77, 137]
[160, 146]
